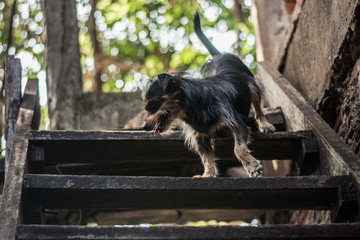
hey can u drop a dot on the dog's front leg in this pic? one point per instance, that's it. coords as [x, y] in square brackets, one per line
[252, 166]
[264, 125]
[205, 150]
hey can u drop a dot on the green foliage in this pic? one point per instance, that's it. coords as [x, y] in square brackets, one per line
[26, 34]
[157, 36]
[140, 38]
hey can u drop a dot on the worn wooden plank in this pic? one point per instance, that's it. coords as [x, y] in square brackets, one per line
[116, 146]
[139, 168]
[335, 157]
[172, 167]
[10, 204]
[12, 106]
[319, 232]
[70, 191]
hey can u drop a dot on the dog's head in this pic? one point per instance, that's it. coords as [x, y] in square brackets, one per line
[162, 102]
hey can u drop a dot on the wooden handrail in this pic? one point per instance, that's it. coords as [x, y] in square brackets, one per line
[335, 157]
[10, 204]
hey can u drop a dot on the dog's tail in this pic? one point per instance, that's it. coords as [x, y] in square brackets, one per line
[197, 27]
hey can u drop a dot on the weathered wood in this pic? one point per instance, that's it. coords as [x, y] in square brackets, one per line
[12, 106]
[318, 232]
[335, 157]
[179, 162]
[343, 210]
[118, 146]
[10, 204]
[72, 192]
[309, 156]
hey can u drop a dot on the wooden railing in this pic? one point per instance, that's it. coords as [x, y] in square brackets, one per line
[10, 204]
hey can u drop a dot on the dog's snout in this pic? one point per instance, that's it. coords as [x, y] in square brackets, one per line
[145, 127]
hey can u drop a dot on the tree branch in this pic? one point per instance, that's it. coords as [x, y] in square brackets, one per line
[11, 19]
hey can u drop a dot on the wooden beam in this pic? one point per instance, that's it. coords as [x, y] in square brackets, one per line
[117, 146]
[81, 191]
[319, 232]
[335, 157]
[12, 106]
[10, 204]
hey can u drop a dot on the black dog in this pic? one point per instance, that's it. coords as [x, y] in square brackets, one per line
[222, 98]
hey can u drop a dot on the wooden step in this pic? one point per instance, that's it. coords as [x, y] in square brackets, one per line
[275, 232]
[96, 150]
[73, 192]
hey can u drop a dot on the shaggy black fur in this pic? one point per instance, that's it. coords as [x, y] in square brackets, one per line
[221, 98]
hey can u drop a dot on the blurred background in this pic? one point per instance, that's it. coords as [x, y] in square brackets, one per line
[125, 43]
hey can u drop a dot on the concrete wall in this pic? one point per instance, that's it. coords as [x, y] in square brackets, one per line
[107, 111]
[323, 27]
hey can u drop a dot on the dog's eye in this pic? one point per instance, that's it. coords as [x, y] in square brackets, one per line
[153, 106]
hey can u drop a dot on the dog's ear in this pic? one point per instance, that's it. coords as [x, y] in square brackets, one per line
[168, 83]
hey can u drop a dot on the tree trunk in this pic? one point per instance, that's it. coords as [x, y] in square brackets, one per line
[98, 55]
[62, 57]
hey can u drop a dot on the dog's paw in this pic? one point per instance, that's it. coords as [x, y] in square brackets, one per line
[205, 176]
[267, 128]
[197, 176]
[255, 171]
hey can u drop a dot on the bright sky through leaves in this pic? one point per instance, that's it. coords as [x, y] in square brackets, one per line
[152, 36]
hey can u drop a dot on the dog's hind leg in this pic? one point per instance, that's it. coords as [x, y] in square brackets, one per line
[252, 166]
[264, 125]
[205, 150]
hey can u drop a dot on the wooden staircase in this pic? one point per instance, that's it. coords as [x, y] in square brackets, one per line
[131, 170]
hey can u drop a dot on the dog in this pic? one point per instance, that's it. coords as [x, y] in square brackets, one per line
[220, 99]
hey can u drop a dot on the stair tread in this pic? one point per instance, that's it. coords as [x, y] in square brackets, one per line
[325, 231]
[71, 191]
[173, 183]
[76, 135]
[63, 147]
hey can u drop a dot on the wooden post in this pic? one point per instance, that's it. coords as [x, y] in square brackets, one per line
[10, 204]
[12, 105]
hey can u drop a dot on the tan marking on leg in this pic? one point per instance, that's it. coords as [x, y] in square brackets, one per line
[207, 155]
[252, 166]
[210, 169]
[264, 125]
